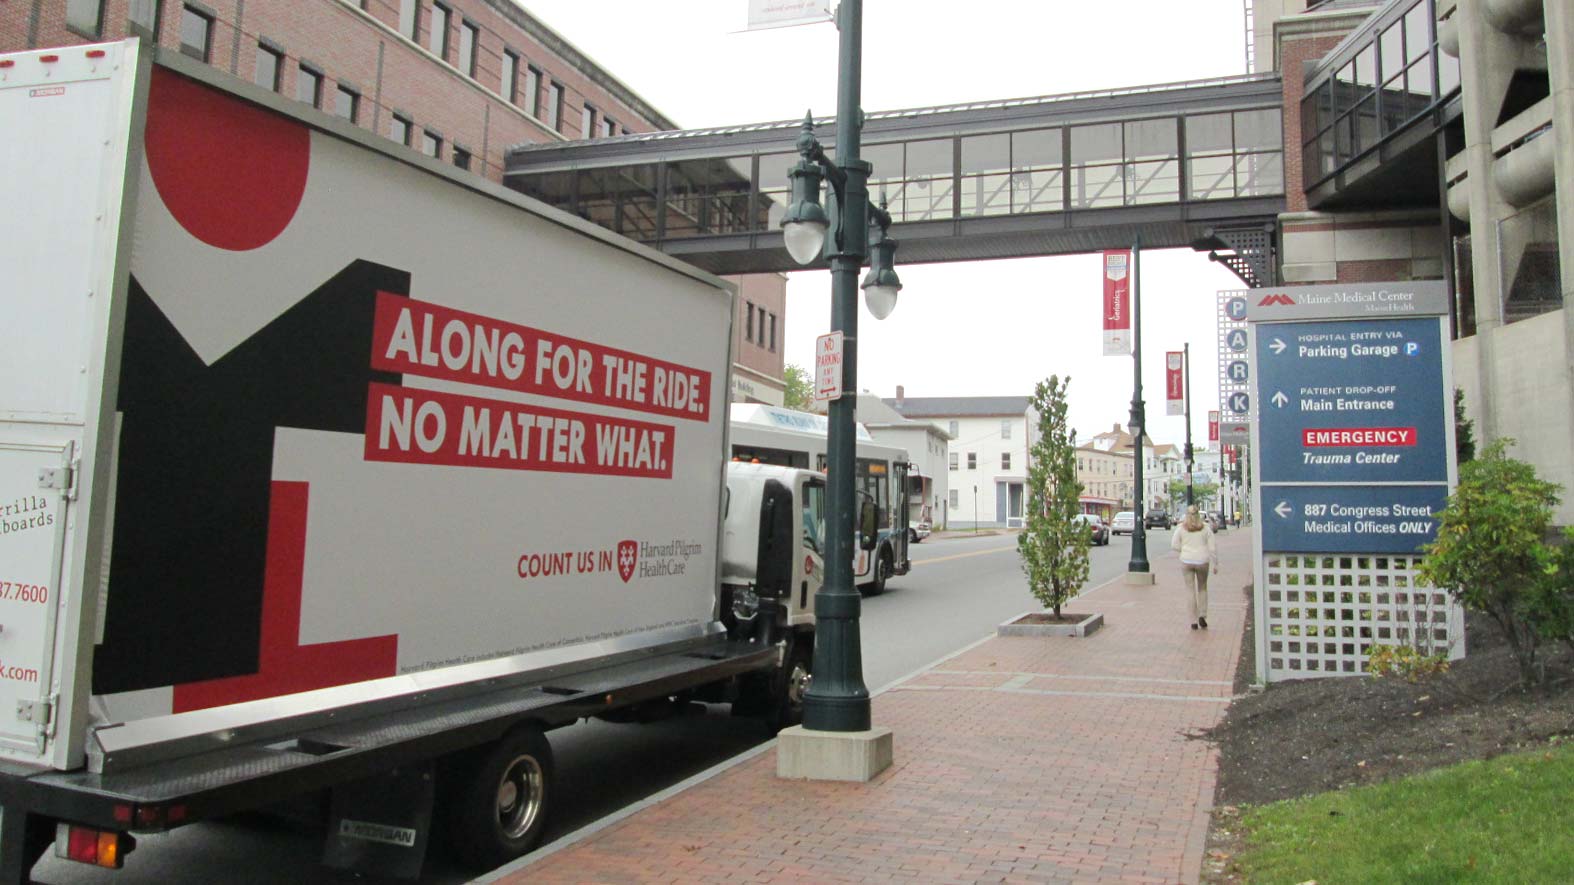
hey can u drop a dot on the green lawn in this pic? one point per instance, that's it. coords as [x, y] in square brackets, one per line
[1509, 820]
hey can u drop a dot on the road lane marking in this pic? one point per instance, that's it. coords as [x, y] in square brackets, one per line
[1013, 547]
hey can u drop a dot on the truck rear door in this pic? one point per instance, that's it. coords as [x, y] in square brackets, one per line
[69, 115]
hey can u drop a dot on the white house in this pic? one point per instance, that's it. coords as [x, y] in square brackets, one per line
[986, 465]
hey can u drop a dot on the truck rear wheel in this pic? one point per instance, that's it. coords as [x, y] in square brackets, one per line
[501, 799]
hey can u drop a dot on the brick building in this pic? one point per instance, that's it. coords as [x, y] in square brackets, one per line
[459, 80]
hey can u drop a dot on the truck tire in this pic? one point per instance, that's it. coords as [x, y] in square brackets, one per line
[501, 799]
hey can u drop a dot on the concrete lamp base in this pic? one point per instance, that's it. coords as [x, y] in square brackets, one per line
[855, 756]
[1139, 578]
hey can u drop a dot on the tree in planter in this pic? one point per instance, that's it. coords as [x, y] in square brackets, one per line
[1490, 554]
[1053, 544]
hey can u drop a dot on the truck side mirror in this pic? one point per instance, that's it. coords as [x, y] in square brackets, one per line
[868, 525]
[774, 560]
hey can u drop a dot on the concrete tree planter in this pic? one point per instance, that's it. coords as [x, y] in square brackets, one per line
[1045, 624]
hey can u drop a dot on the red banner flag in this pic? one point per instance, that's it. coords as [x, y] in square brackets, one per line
[1174, 383]
[1213, 426]
[1117, 302]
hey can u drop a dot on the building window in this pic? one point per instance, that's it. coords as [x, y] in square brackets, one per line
[972, 460]
[508, 86]
[469, 38]
[438, 39]
[461, 157]
[408, 10]
[748, 327]
[143, 17]
[431, 143]
[1005, 460]
[954, 457]
[308, 87]
[955, 499]
[1005, 430]
[533, 91]
[587, 122]
[555, 106]
[399, 130]
[954, 427]
[85, 16]
[773, 333]
[608, 128]
[196, 33]
[347, 103]
[270, 68]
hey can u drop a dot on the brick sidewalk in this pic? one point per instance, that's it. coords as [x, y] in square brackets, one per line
[1020, 760]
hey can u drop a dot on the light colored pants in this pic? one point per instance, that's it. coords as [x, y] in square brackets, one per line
[1197, 584]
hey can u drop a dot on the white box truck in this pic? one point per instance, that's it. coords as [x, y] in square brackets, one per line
[328, 468]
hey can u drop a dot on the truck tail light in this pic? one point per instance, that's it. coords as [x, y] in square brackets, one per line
[101, 848]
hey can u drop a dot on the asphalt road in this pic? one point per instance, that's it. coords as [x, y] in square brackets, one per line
[960, 587]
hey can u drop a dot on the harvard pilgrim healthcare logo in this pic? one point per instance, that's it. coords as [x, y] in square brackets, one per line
[628, 555]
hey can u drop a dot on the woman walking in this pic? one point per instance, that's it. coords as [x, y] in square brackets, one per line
[1193, 540]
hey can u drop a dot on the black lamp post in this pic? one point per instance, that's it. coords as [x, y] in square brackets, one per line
[837, 699]
[1139, 532]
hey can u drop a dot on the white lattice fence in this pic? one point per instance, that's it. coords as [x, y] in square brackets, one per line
[1324, 613]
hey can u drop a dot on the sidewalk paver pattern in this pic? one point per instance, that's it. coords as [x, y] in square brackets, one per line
[1021, 760]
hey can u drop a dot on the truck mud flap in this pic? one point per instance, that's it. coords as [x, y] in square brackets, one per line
[380, 826]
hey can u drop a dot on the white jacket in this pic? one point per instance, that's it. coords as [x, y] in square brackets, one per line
[1195, 548]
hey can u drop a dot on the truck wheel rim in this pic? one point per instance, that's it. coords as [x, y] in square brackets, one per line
[519, 796]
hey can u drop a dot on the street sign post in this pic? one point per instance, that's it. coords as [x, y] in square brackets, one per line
[828, 367]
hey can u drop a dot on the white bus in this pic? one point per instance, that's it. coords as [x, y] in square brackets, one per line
[772, 435]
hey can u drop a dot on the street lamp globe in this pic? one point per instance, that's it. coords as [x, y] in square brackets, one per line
[880, 292]
[881, 283]
[805, 237]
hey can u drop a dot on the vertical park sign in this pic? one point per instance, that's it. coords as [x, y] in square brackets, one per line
[1352, 449]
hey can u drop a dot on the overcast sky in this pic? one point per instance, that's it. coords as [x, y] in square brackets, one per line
[972, 328]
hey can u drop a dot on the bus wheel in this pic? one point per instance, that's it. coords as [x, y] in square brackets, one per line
[883, 567]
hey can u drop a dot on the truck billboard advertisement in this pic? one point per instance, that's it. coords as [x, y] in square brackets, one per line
[412, 427]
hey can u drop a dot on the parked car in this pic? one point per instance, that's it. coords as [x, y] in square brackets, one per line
[1125, 523]
[1097, 530]
[1157, 519]
[918, 531]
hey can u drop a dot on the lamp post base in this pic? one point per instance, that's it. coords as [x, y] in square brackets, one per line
[1136, 579]
[857, 756]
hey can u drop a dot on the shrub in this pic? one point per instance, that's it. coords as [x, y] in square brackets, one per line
[1405, 662]
[1490, 554]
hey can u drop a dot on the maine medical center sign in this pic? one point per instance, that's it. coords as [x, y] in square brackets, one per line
[1354, 427]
